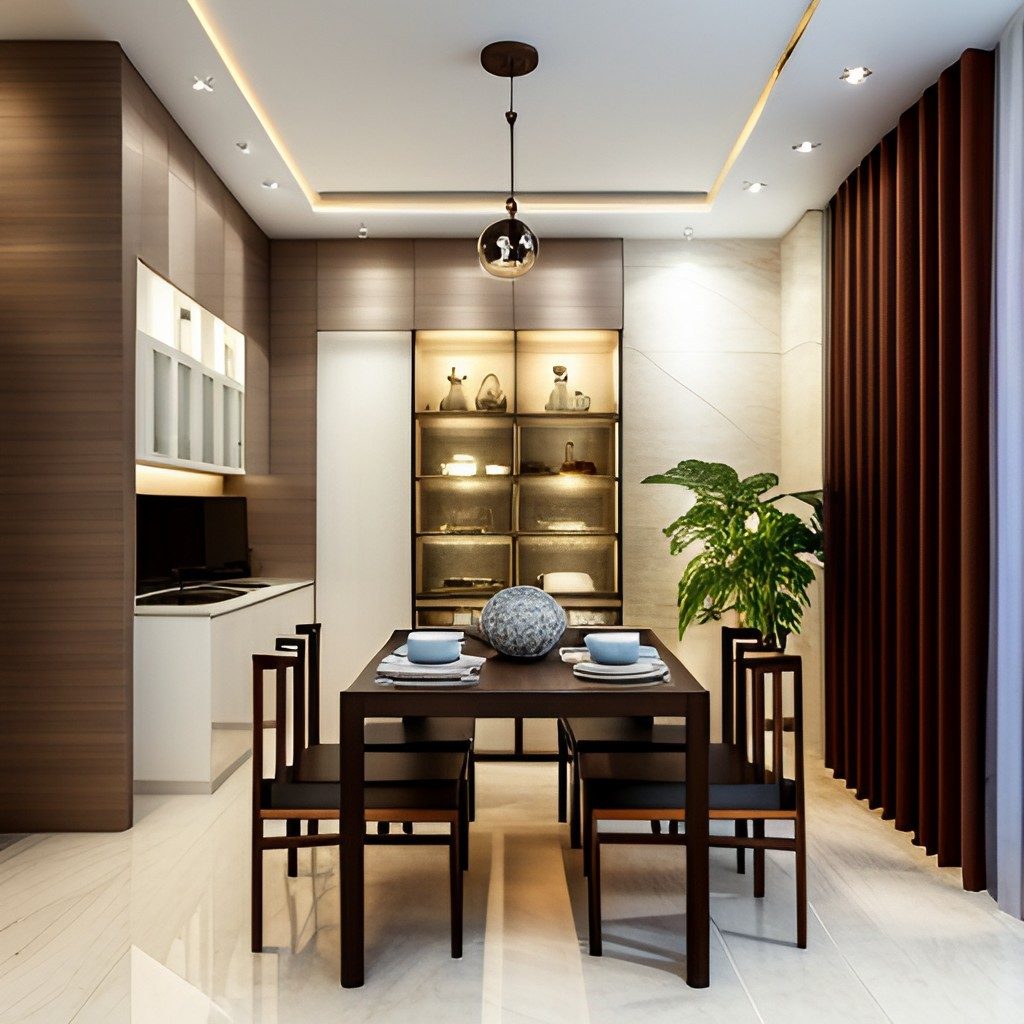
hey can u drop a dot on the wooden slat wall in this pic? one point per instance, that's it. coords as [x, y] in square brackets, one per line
[65, 606]
[577, 283]
[282, 506]
[454, 293]
[93, 173]
[365, 285]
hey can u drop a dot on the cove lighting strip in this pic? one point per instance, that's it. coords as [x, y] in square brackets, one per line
[483, 202]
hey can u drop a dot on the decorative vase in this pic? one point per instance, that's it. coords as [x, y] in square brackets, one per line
[490, 397]
[560, 400]
[455, 400]
[522, 622]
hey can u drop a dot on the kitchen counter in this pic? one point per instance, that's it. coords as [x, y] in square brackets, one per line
[273, 588]
[193, 681]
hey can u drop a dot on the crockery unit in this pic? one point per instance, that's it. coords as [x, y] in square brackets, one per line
[516, 467]
[190, 382]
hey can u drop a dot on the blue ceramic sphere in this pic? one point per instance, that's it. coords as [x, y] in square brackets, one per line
[522, 622]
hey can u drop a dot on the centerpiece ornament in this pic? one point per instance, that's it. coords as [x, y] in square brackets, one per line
[508, 248]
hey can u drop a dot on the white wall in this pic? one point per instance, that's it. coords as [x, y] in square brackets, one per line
[364, 500]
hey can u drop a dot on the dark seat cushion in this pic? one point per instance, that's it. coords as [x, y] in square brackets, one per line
[403, 780]
[421, 734]
[621, 734]
[658, 780]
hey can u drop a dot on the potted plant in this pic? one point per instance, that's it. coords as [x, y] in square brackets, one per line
[754, 559]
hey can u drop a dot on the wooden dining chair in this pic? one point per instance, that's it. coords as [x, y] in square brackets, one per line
[303, 784]
[577, 736]
[413, 735]
[757, 782]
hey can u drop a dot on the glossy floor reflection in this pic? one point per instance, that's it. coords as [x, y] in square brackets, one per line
[152, 926]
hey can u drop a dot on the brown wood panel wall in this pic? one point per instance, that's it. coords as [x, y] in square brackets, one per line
[65, 607]
[453, 292]
[364, 285]
[93, 174]
[282, 505]
[577, 283]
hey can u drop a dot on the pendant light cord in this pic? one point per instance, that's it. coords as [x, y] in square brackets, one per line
[511, 118]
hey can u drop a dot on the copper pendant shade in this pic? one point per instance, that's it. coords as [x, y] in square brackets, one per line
[508, 248]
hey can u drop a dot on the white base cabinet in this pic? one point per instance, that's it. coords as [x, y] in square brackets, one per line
[193, 684]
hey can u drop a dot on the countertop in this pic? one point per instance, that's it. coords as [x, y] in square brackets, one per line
[274, 588]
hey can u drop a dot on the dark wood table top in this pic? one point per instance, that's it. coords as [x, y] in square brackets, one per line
[548, 675]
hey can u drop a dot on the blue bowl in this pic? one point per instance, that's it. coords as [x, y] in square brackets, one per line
[613, 648]
[426, 647]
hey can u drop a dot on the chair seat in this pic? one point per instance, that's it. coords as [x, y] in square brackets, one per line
[621, 734]
[402, 780]
[419, 734]
[658, 780]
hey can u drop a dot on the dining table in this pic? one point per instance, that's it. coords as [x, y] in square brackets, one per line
[509, 688]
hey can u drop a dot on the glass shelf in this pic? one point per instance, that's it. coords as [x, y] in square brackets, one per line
[453, 505]
[442, 562]
[594, 558]
[567, 504]
[474, 354]
[486, 438]
[543, 442]
[590, 357]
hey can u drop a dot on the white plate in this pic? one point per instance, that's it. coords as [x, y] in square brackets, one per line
[638, 668]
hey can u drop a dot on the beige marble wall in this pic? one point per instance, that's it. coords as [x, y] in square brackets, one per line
[802, 323]
[701, 379]
[722, 348]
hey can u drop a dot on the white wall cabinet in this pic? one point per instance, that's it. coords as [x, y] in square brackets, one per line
[190, 382]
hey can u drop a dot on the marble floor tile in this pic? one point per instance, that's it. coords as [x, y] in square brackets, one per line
[152, 925]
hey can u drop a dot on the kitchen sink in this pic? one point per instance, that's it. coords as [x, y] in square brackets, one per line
[190, 596]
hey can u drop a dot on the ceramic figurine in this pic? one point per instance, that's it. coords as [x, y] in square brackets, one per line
[455, 400]
[582, 402]
[490, 397]
[560, 399]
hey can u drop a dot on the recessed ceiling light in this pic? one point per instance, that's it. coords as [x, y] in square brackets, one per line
[806, 146]
[202, 84]
[243, 147]
[363, 232]
[754, 186]
[270, 185]
[855, 76]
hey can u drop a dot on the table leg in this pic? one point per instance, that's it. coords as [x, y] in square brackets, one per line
[698, 914]
[352, 831]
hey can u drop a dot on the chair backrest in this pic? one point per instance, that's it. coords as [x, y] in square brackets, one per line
[765, 675]
[284, 664]
[311, 631]
[735, 641]
[297, 645]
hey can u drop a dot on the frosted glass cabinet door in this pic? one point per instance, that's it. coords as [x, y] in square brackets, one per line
[232, 427]
[208, 421]
[163, 411]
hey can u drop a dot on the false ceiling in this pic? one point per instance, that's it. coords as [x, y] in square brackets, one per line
[342, 97]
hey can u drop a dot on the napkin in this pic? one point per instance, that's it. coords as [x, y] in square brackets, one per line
[398, 667]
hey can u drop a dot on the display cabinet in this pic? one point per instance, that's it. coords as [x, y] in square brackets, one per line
[516, 465]
[190, 382]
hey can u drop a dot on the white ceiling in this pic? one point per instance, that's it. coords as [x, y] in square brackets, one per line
[383, 96]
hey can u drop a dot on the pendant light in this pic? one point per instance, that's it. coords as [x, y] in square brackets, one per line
[508, 248]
